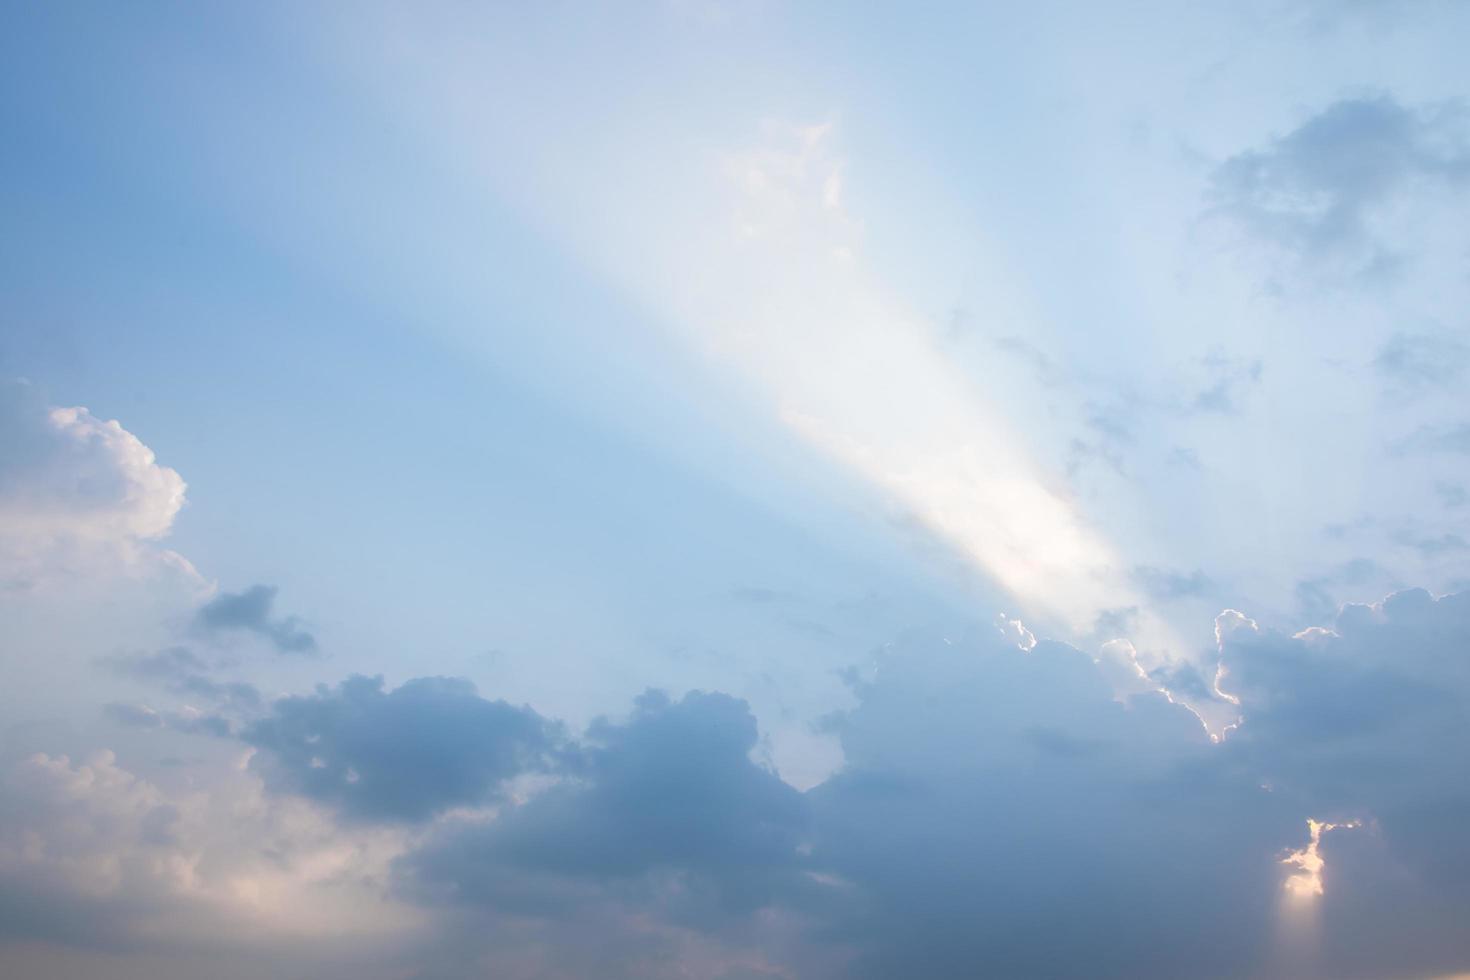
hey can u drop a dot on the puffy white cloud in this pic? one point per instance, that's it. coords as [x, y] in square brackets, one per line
[76, 491]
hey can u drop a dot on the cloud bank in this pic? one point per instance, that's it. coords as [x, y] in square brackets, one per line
[1000, 809]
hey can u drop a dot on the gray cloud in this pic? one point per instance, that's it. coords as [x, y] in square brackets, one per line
[180, 671]
[672, 789]
[166, 666]
[1432, 545]
[187, 722]
[1314, 189]
[1001, 808]
[1230, 376]
[251, 611]
[404, 754]
[1453, 439]
[132, 715]
[995, 807]
[1366, 722]
[1319, 596]
[1004, 808]
[1452, 494]
[1167, 583]
[1412, 363]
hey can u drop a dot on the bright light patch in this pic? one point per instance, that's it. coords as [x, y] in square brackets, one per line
[1306, 880]
[787, 301]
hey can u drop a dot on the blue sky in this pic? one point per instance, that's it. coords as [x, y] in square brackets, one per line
[735, 490]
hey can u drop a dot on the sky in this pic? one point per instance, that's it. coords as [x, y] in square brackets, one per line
[735, 490]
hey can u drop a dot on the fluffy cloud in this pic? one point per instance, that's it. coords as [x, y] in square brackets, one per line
[404, 754]
[75, 488]
[671, 789]
[664, 851]
[95, 857]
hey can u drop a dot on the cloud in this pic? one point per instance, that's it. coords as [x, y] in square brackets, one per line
[672, 789]
[1319, 597]
[1364, 721]
[999, 803]
[1004, 807]
[404, 754]
[1166, 583]
[1431, 546]
[1453, 439]
[1000, 807]
[76, 491]
[1452, 495]
[95, 857]
[1413, 363]
[182, 672]
[250, 611]
[1229, 376]
[1316, 190]
[74, 837]
[132, 715]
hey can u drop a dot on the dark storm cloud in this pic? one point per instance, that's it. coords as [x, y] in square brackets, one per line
[404, 754]
[251, 611]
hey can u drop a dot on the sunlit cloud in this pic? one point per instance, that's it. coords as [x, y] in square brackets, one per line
[1306, 880]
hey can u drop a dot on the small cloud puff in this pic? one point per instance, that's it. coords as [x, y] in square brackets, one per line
[250, 611]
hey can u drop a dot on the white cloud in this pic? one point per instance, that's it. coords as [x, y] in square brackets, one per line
[79, 494]
[91, 854]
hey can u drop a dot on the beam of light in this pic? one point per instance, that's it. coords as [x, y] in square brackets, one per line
[753, 259]
[786, 301]
[1299, 911]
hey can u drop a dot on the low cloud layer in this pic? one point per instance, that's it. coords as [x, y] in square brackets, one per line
[999, 805]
